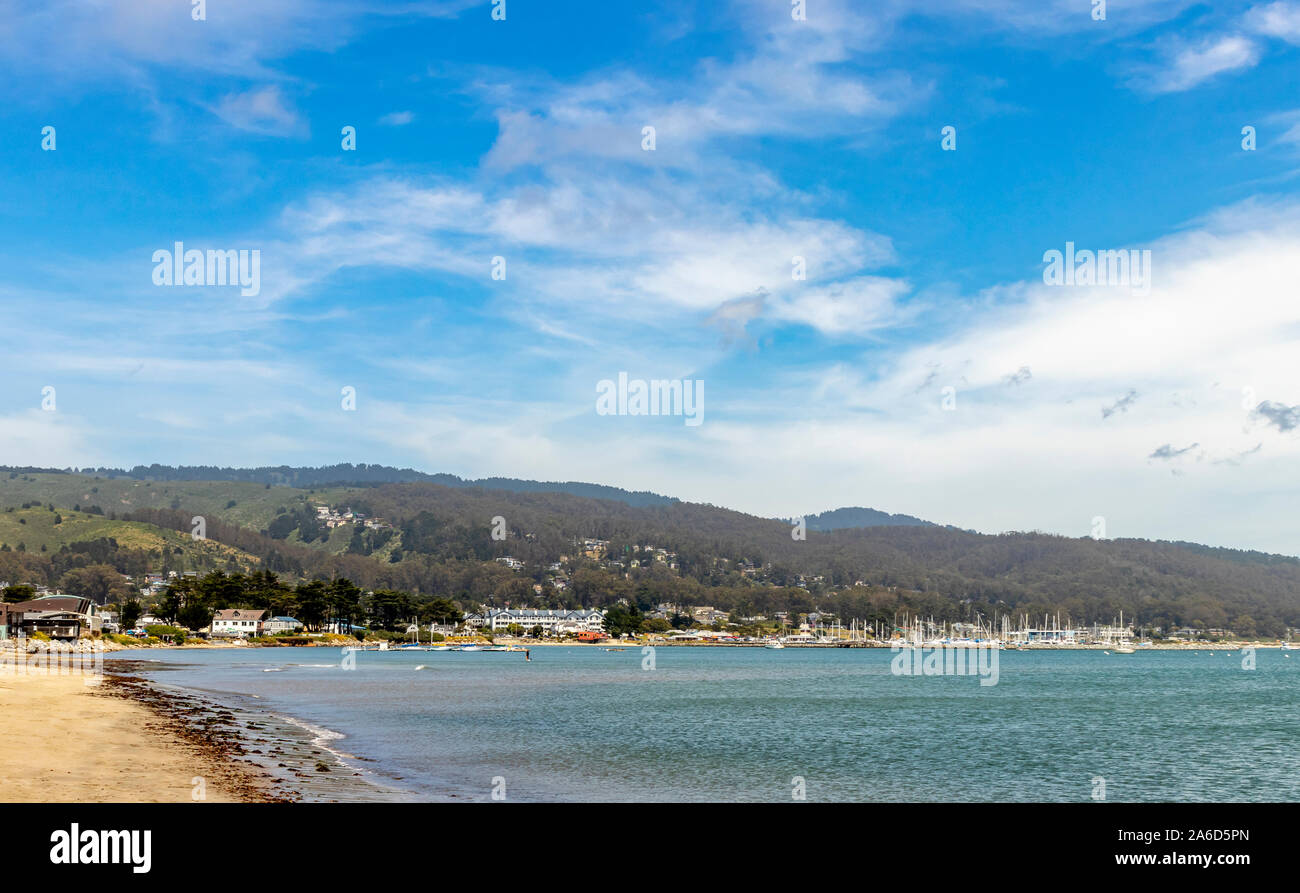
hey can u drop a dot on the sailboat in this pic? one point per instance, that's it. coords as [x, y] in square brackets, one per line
[414, 644]
[1123, 646]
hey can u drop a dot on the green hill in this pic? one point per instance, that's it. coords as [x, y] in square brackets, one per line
[438, 540]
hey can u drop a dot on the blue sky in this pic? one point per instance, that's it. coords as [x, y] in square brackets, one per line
[775, 137]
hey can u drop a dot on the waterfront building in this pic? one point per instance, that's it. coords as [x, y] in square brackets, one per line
[239, 622]
[557, 622]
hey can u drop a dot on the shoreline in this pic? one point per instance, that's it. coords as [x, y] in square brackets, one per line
[86, 739]
[124, 735]
[292, 759]
[106, 646]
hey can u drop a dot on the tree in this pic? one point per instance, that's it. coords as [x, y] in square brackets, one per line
[443, 610]
[313, 603]
[620, 620]
[19, 593]
[98, 582]
[195, 616]
[389, 608]
[176, 597]
[344, 598]
[131, 611]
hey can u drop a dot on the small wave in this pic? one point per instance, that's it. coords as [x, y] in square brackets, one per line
[320, 736]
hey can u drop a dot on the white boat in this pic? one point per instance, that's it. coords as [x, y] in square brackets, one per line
[471, 648]
[774, 645]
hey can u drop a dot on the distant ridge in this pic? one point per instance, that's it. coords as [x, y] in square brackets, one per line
[856, 516]
[363, 475]
[347, 474]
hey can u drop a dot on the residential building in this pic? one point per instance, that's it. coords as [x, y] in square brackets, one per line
[556, 622]
[239, 622]
[280, 625]
[57, 616]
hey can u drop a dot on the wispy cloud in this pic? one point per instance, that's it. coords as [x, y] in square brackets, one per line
[1279, 415]
[1186, 65]
[262, 110]
[1280, 19]
[1168, 451]
[1019, 377]
[1120, 405]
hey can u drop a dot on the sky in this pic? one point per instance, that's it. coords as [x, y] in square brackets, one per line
[838, 218]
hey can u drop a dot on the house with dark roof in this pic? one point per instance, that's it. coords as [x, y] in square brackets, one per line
[57, 616]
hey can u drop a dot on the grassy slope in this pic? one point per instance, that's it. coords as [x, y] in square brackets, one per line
[254, 507]
[40, 530]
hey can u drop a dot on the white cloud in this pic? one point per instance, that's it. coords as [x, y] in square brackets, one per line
[1280, 20]
[397, 119]
[598, 249]
[1187, 65]
[262, 110]
[853, 307]
[56, 42]
[799, 80]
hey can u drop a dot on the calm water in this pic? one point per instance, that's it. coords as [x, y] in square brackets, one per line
[724, 724]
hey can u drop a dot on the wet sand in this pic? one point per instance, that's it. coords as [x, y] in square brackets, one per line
[68, 742]
[293, 761]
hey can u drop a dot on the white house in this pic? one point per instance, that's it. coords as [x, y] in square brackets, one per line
[561, 621]
[237, 622]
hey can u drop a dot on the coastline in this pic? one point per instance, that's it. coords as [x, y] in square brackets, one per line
[291, 759]
[107, 646]
[77, 740]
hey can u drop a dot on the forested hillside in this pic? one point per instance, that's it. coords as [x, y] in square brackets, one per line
[570, 550]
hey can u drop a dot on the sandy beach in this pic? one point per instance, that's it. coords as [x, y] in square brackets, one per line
[66, 742]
